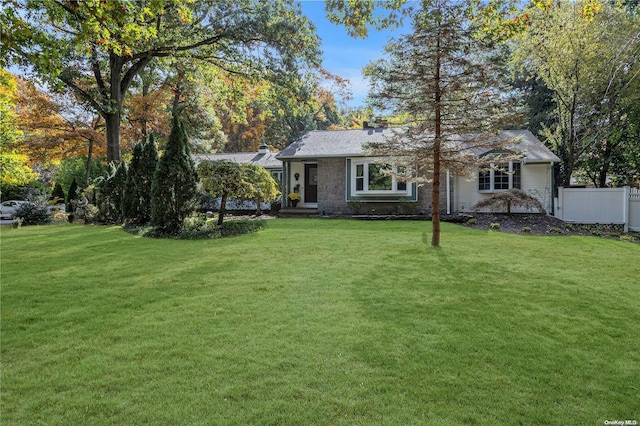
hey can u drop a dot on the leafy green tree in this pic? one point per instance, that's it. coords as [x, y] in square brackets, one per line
[9, 131]
[615, 156]
[136, 202]
[173, 191]
[538, 100]
[447, 81]
[258, 185]
[14, 167]
[586, 53]
[221, 179]
[96, 49]
[76, 168]
[500, 18]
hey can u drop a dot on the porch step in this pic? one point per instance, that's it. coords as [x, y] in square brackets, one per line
[298, 212]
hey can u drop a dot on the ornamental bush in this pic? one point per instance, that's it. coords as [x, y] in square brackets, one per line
[258, 185]
[221, 179]
[507, 199]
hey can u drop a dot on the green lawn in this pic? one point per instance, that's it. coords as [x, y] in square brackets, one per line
[318, 322]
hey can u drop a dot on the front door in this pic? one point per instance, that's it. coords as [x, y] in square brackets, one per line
[310, 183]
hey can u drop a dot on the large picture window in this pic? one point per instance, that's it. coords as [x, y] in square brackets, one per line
[500, 177]
[378, 179]
[373, 178]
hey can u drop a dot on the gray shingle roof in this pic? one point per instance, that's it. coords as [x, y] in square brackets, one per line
[349, 143]
[267, 160]
[525, 142]
[333, 143]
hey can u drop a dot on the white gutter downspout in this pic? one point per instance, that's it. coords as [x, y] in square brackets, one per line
[448, 193]
[553, 191]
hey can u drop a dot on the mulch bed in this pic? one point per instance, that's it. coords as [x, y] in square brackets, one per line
[525, 224]
[536, 224]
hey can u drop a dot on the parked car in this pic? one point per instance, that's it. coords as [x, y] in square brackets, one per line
[9, 208]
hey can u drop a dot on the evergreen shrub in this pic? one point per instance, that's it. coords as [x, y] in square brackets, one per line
[174, 186]
[136, 201]
[57, 195]
[33, 214]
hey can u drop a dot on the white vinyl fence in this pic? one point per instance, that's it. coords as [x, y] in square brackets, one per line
[600, 205]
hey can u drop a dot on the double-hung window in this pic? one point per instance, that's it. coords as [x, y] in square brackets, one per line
[500, 177]
[374, 178]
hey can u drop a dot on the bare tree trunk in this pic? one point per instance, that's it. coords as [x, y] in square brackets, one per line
[112, 123]
[223, 207]
[87, 175]
[112, 116]
[604, 169]
[435, 187]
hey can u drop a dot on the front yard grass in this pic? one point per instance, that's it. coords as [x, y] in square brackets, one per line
[317, 321]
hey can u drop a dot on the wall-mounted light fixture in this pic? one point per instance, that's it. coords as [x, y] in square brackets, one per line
[297, 176]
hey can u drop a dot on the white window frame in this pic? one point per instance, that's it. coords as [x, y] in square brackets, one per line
[277, 175]
[365, 185]
[510, 173]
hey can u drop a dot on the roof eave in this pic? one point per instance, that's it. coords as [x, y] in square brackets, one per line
[312, 157]
[542, 161]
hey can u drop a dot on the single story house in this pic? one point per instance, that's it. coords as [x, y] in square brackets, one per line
[333, 175]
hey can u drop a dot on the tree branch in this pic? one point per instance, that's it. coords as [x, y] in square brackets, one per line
[95, 66]
[83, 94]
[70, 10]
[132, 72]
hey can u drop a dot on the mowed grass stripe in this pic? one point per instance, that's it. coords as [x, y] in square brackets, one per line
[318, 322]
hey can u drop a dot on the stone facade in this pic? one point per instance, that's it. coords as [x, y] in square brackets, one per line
[331, 186]
[332, 194]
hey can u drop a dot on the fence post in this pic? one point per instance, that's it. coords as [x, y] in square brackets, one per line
[626, 205]
[559, 214]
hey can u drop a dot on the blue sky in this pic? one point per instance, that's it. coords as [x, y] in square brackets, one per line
[345, 55]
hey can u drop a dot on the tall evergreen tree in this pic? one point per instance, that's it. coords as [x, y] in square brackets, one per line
[173, 191]
[57, 196]
[130, 196]
[117, 190]
[72, 195]
[136, 202]
[448, 81]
